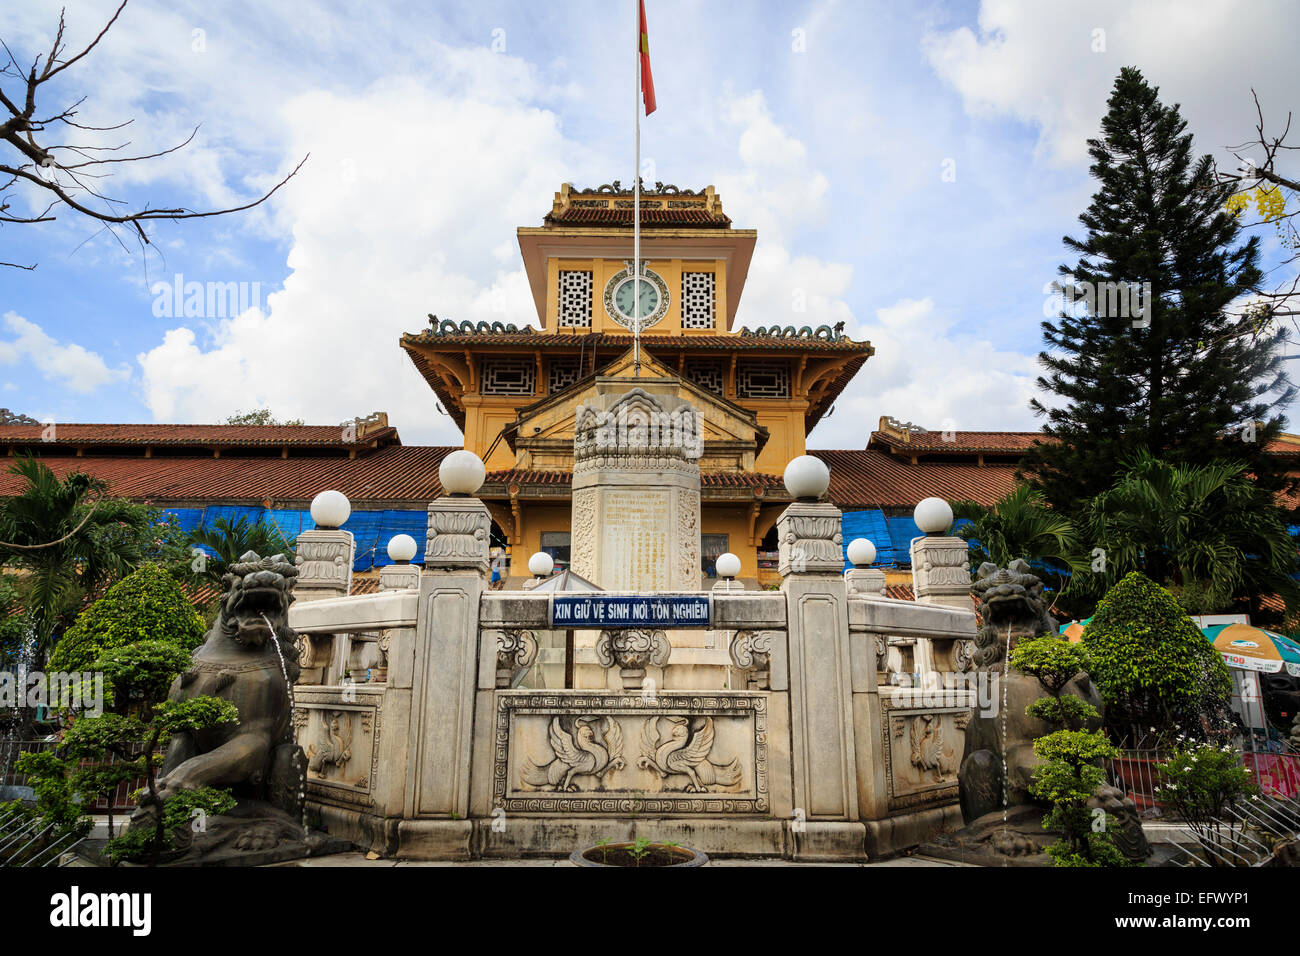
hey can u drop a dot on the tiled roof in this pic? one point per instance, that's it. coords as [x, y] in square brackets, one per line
[662, 218]
[667, 347]
[958, 441]
[408, 475]
[674, 343]
[397, 473]
[874, 478]
[245, 435]
[707, 479]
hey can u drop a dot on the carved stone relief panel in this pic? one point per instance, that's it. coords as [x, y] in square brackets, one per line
[923, 748]
[596, 751]
[340, 739]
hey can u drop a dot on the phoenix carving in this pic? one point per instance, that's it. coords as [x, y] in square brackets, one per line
[685, 749]
[594, 747]
[928, 751]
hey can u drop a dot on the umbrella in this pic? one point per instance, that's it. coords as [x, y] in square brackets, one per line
[1073, 632]
[1254, 649]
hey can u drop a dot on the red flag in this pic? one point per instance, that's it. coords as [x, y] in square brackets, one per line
[647, 81]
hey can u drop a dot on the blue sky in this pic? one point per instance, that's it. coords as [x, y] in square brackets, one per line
[434, 132]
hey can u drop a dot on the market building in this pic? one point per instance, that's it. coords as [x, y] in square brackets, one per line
[514, 392]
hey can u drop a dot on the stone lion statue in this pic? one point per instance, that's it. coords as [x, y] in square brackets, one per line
[249, 659]
[1012, 607]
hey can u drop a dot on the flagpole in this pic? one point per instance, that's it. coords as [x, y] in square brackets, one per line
[636, 205]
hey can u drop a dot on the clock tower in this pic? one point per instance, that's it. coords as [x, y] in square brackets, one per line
[515, 391]
[693, 263]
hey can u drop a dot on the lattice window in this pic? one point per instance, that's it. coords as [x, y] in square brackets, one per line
[562, 374]
[764, 381]
[509, 376]
[707, 375]
[697, 300]
[575, 299]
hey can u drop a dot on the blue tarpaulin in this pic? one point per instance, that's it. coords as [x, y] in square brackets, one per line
[371, 529]
[891, 534]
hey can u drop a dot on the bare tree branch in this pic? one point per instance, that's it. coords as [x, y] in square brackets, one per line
[68, 183]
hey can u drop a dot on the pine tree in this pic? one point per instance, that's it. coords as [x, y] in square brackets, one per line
[1171, 371]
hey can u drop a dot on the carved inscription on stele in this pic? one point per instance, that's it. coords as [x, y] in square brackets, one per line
[636, 540]
[599, 751]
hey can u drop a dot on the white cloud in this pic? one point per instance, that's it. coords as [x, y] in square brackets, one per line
[924, 369]
[1040, 63]
[386, 227]
[927, 372]
[68, 365]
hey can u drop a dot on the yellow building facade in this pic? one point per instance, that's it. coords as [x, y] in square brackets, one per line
[514, 391]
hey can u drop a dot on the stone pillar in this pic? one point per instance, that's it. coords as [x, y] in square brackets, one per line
[821, 707]
[399, 577]
[940, 575]
[445, 672]
[636, 518]
[865, 581]
[324, 557]
[636, 491]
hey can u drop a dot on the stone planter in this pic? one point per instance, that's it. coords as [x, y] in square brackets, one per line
[659, 855]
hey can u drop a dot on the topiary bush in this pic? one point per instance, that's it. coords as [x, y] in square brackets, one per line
[1070, 774]
[147, 604]
[1153, 666]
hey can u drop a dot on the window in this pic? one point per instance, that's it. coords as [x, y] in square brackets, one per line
[563, 373]
[556, 544]
[712, 545]
[707, 375]
[508, 376]
[575, 299]
[697, 300]
[764, 381]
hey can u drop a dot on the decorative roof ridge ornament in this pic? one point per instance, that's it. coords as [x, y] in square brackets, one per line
[13, 418]
[451, 327]
[615, 188]
[906, 428]
[826, 333]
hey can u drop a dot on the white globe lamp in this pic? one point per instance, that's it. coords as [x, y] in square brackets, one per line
[462, 473]
[401, 548]
[540, 564]
[933, 516]
[861, 552]
[727, 565]
[807, 478]
[330, 509]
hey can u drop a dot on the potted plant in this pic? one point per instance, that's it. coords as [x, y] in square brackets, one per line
[637, 853]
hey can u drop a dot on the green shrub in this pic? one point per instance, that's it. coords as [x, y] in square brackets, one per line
[1204, 783]
[1152, 664]
[147, 604]
[1054, 662]
[178, 813]
[1068, 777]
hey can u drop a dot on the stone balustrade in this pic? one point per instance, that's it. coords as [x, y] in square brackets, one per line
[791, 748]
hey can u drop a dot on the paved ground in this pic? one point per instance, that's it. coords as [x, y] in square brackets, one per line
[359, 859]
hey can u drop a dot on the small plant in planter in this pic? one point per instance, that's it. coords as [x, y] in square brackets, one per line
[638, 853]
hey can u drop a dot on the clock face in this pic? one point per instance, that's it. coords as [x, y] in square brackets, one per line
[631, 303]
[647, 304]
